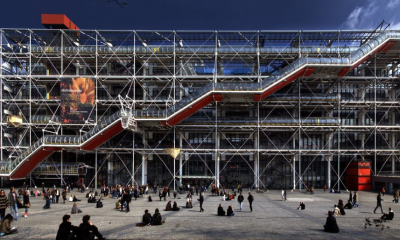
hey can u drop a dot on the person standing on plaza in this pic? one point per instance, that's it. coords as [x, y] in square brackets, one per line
[383, 191]
[378, 203]
[250, 198]
[64, 195]
[57, 195]
[27, 203]
[355, 199]
[126, 198]
[240, 201]
[201, 200]
[53, 195]
[324, 188]
[13, 200]
[3, 204]
[351, 197]
[283, 195]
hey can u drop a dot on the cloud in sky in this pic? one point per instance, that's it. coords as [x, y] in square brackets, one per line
[361, 17]
[392, 3]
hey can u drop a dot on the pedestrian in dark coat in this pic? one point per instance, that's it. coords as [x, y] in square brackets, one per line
[378, 203]
[64, 195]
[201, 200]
[250, 198]
[331, 225]
[3, 204]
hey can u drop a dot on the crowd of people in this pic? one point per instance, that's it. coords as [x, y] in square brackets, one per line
[124, 194]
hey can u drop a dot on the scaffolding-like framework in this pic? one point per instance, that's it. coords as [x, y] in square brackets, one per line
[306, 128]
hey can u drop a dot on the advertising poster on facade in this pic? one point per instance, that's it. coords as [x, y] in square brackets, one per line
[77, 99]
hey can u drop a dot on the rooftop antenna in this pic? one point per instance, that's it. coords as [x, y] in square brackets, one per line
[121, 4]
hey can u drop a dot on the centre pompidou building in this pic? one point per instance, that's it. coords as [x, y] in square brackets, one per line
[266, 109]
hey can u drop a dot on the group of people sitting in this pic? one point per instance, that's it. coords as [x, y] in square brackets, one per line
[302, 206]
[149, 220]
[339, 209]
[86, 229]
[228, 196]
[73, 198]
[229, 212]
[173, 208]
[189, 203]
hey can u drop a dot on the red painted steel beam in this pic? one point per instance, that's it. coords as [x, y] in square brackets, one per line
[191, 110]
[106, 135]
[58, 21]
[305, 72]
[33, 161]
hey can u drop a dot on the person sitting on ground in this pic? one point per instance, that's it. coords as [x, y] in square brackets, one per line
[71, 199]
[341, 209]
[99, 204]
[75, 209]
[336, 211]
[91, 199]
[189, 203]
[388, 216]
[87, 230]
[168, 207]
[349, 205]
[5, 226]
[340, 203]
[149, 198]
[118, 204]
[331, 225]
[302, 206]
[221, 211]
[230, 212]
[157, 219]
[146, 220]
[75, 199]
[66, 230]
[175, 207]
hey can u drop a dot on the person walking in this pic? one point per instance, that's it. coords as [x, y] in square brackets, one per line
[240, 201]
[351, 197]
[64, 195]
[378, 203]
[27, 203]
[57, 195]
[250, 198]
[13, 200]
[355, 199]
[201, 200]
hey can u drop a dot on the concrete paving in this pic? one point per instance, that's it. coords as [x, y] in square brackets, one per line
[271, 218]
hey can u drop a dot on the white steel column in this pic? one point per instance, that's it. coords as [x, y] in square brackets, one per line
[144, 170]
[95, 169]
[180, 160]
[329, 173]
[133, 160]
[294, 172]
[217, 155]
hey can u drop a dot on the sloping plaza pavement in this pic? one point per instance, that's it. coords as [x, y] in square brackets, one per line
[271, 218]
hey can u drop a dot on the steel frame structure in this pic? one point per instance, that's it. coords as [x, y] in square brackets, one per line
[307, 132]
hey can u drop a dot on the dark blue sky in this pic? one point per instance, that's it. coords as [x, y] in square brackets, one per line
[206, 14]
